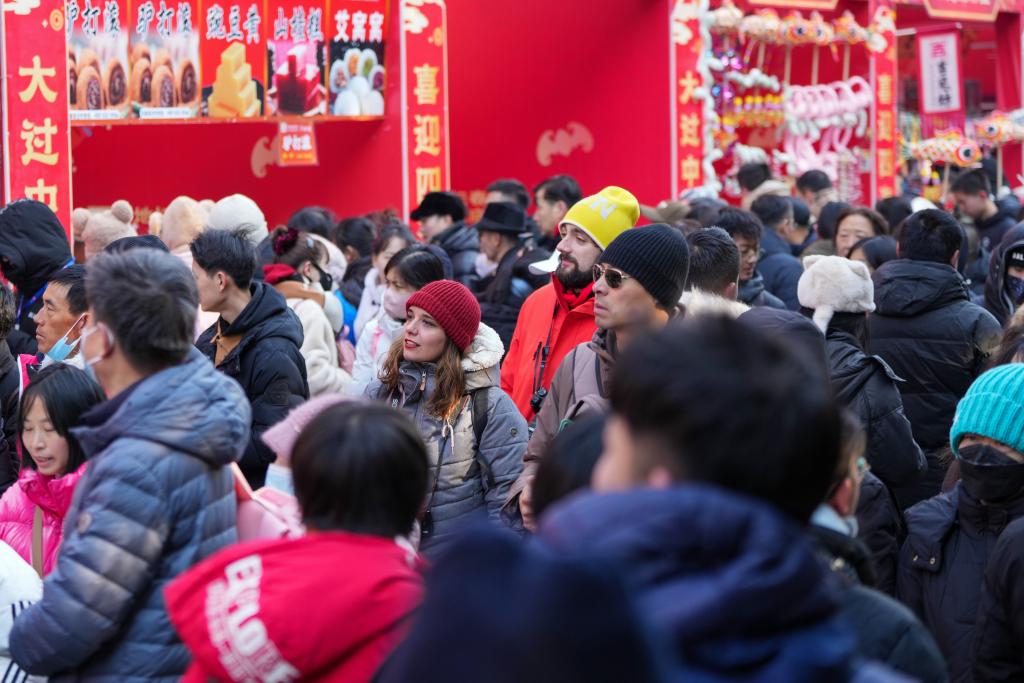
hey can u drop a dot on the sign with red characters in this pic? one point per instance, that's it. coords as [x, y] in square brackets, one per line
[965, 10]
[687, 108]
[295, 58]
[357, 74]
[36, 139]
[296, 144]
[233, 54]
[886, 139]
[163, 79]
[425, 100]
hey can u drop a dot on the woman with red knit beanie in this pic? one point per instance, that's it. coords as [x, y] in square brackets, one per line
[443, 372]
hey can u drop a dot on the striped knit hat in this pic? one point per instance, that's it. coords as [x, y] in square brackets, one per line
[993, 408]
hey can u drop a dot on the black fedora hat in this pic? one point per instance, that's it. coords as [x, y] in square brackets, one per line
[504, 217]
[440, 204]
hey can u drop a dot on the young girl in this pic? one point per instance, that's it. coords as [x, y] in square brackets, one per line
[392, 239]
[405, 274]
[443, 372]
[298, 274]
[52, 462]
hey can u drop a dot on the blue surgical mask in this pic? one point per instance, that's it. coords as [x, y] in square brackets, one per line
[62, 348]
[1015, 288]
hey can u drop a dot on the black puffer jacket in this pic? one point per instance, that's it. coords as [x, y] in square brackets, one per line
[753, 293]
[157, 498]
[887, 632]
[927, 330]
[269, 366]
[33, 246]
[10, 379]
[998, 648]
[462, 244]
[868, 387]
[992, 230]
[997, 300]
[881, 529]
[942, 563]
[502, 293]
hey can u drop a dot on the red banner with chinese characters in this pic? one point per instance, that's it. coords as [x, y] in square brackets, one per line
[295, 57]
[296, 144]
[424, 100]
[37, 141]
[885, 141]
[357, 74]
[687, 109]
[966, 10]
[233, 53]
[163, 73]
[940, 87]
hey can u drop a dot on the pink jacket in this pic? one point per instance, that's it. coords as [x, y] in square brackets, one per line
[17, 509]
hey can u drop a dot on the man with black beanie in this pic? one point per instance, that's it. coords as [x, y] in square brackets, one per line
[638, 282]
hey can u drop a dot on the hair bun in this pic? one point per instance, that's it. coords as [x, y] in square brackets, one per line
[284, 240]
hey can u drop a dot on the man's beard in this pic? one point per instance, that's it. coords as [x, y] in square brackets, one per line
[573, 278]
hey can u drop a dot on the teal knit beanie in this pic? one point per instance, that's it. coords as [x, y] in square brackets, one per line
[993, 408]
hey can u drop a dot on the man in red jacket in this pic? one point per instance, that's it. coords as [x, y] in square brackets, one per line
[559, 316]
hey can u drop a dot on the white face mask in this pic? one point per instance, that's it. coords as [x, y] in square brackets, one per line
[394, 303]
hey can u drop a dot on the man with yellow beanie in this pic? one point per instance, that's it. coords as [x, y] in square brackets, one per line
[559, 316]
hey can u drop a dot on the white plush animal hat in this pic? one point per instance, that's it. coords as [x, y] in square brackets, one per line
[833, 284]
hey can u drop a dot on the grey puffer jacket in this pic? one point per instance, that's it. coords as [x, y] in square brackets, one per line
[157, 498]
[460, 492]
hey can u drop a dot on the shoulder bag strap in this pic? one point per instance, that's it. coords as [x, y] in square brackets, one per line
[37, 541]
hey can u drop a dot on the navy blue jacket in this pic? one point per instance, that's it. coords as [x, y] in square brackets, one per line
[754, 294]
[997, 300]
[781, 270]
[729, 581]
[998, 648]
[942, 563]
[157, 498]
[462, 244]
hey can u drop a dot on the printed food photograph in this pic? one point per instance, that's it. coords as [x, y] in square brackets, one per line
[356, 81]
[164, 62]
[97, 62]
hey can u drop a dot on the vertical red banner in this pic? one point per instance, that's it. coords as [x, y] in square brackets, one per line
[357, 73]
[884, 141]
[687, 108]
[233, 53]
[37, 142]
[425, 145]
[295, 58]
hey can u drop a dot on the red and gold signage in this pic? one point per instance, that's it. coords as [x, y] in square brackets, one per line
[233, 54]
[798, 4]
[296, 144]
[687, 108]
[37, 142]
[356, 73]
[295, 53]
[966, 10]
[425, 98]
[885, 141]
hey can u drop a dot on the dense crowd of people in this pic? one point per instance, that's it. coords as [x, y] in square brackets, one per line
[782, 442]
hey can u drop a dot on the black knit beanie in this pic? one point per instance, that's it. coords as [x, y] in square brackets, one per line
[657, 256]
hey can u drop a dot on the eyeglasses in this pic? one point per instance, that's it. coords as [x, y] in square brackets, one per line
[614, 278]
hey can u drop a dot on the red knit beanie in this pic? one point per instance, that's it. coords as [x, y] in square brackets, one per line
[453, 307]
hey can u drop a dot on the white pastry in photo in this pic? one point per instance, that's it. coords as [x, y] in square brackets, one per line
[347, 104]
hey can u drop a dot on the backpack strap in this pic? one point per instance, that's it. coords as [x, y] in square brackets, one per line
[37, 541]
[478, 398]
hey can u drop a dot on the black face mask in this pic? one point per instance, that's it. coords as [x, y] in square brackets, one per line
[989, 475]
[326, 281]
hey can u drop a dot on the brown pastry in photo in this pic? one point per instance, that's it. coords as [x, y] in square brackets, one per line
[162, 90]
[141, 83]
[72, 80]
[89, 89]
[115, 83]
[71, 56]
[139, 52]
[187, 81]
[163, 58]
[87, 57]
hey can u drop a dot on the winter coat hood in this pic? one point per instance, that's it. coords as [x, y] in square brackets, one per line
[268, 309]
[997, 300]
[458, 237]
[905, 288]
[729, 579]
[33, 244]
[190, 408]
[479, 362]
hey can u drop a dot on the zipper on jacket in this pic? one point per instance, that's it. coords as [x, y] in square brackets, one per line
[423, 381]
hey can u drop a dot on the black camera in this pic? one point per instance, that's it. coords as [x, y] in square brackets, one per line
[537, 400]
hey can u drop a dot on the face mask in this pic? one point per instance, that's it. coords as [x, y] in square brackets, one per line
[62, 349]
[1015, 287]
[989, 475]
[89, 362]
[394, 302]
[326, 281]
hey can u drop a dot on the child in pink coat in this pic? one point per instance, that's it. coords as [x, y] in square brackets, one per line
[52, 462]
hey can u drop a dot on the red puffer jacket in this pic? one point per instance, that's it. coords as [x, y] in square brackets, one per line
[18, 506]
[553, 317]
[325, 607]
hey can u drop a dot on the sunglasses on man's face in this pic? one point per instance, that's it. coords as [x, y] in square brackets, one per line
[614, 278]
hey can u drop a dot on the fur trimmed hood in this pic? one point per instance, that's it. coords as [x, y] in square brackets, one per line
[699, 303]
[485, 352]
